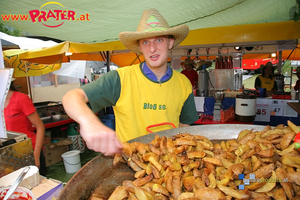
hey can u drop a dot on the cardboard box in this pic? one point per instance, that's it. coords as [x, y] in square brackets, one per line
[47, 189]
[53, 151]
[31, 179]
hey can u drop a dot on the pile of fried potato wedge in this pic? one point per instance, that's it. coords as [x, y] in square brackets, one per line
[188, 167]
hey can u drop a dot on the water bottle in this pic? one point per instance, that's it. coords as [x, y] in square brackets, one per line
[293, 94]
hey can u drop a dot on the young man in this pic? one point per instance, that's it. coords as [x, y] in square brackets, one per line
[266, 79]
[144, 94]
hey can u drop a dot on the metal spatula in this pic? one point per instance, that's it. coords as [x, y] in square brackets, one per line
[16, 183]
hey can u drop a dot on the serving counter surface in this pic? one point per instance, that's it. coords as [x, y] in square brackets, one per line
[295, 106]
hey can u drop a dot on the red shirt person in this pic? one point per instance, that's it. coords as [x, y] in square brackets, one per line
[190, 73]
[20, 116]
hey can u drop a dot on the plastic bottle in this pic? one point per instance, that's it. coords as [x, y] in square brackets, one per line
[293, 94]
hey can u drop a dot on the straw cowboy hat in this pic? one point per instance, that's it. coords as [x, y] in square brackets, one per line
[189, 62]
[269, 64]
[152, 24]
[201, 63]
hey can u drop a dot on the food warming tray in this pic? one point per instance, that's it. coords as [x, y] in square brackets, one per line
[100, 177]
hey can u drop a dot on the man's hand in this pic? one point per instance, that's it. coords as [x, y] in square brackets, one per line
[100, 138]
[97, 136]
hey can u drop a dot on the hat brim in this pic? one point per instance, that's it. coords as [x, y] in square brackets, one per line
[263, 66]
[208, 63]
[130, 39]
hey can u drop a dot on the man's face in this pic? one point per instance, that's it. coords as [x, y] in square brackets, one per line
[155, 50]
[189, 67]
[268, 71]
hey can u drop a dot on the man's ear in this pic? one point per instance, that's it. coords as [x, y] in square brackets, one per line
[171, 42]
[140, 49]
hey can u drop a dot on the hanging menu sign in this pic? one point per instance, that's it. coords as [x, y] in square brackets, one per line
[277, 107]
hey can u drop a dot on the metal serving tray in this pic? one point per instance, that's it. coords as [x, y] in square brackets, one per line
[100, 177]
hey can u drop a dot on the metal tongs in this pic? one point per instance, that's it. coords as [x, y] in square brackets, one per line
[16, 183]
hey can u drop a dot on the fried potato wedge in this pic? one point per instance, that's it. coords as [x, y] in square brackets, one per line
[256, 163]
[232, 192]
[294, 128]
[186, 196]
[271, 183]
[248, 137]
[133, 166]
[153, 160]
[280, 194]
[270, 132]
[293, 161]
[290, 149]
[242, 134]
[176, 183]
[189, 183]
[287, 186]
[141, 148]
[212, 181]
[127, 151]
[196, 154]
[140, 174]
[184, 141]
[209, 193]
[142, 194]
[214, 161]
[117, 158]
[160, 189]
[294, 176]
[259, 196]
[142, 181]
[119, 193]
[286, 140]
[266, 153]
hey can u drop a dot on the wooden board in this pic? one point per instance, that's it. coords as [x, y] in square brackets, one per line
[295, 106]
[231, 94]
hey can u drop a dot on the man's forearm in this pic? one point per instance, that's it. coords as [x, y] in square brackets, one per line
[75, 105]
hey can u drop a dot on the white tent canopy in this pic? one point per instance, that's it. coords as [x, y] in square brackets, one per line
[27, 43]
[75, 68]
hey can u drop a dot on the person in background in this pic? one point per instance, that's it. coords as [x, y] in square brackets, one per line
[144, 94]
[85, 80]
[182, 65]
[20, 116]
[266, 79]
[296, 87]
[190, 73]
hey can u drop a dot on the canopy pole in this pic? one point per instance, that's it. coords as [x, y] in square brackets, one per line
[28, 82]
[107, 61]
[279, 61]
[137, 57]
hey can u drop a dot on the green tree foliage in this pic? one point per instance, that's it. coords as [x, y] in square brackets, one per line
[15, 32]
[294, 12]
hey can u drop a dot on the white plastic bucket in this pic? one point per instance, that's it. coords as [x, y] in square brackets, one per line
[72, 161]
